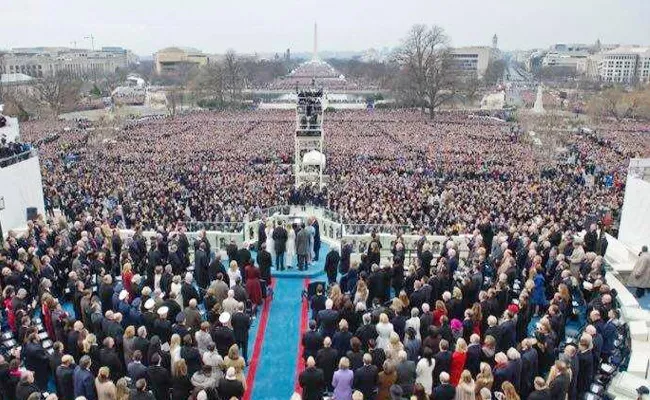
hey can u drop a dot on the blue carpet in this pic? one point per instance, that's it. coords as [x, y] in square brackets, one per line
[275, 377]
[644, 301]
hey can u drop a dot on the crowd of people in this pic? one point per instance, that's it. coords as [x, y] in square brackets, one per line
[141, 326]
[124, 318]
[391, 168]
[493, 328]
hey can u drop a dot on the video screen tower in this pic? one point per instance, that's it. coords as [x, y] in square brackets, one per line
[309, 158]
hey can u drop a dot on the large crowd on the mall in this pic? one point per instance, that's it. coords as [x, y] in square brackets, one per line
[433, 326]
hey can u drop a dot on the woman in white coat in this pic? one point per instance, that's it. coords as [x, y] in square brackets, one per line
[291, 247]
[270, 244]
[424, 370]
[384, 330]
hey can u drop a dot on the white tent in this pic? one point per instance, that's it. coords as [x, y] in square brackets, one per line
[314, 157]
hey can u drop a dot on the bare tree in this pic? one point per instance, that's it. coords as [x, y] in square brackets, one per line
[233, 75]
[172, 100]
[209, 83]
[57, 92]
[426, 68]
[620, 104]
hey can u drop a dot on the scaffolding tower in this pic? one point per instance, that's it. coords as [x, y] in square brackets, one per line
[309, 160]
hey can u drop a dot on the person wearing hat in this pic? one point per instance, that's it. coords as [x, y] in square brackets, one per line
[173, 306]
[642, 392]
[229, 386]
[162, 327]
[223, 335]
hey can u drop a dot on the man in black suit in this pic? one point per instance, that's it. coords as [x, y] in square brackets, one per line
[109, 358]
[264, 261]
[507, 333]
[473, 360]
[312, 381]
[529, 367]
[158, 378]
[201, 263]
[406, 370]
[426, 320]
[261, 234]
[329, 319]
[366, 378]
[609, 335]
[443, 360]
[418, 297]
[231, 250]
[444, 391]
[312, 341]
[64, 378]
[280, 237]
[327, 359]
[317, 303]
[541, 392]
[366, 331]
[241, 323]
[332, 264]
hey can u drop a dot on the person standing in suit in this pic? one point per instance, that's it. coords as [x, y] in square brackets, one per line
[241, 324]
[609, 335]
[264, 261]
[541, 392]
[312, 341]
[366, 378]
[280, 241]
[332, 264]
[303, 250]
[558, 381]
[326, 359]
[442, 360]
[312, 381]
[261, 234]
[201, 264]
[444, 391]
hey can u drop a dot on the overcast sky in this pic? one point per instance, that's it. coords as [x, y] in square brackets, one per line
[275, 25]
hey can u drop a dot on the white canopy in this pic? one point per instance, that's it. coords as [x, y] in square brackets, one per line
[314, 157]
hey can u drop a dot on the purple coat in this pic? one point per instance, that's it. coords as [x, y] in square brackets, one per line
[342, 383]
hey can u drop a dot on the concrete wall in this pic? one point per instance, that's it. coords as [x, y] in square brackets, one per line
[21, 187]
[635, 218]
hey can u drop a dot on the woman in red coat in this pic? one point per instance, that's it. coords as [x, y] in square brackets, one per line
[253, 286]
[439, 312]
[127, 278]
[458, 361]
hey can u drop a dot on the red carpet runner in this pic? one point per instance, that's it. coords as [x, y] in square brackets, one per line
[304, 319]
[257, 349]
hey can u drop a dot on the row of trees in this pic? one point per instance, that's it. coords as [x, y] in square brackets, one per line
[619, 103]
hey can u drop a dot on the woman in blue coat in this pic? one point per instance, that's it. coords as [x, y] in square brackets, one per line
[538, 299]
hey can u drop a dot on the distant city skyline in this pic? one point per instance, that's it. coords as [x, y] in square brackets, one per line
[260, 27]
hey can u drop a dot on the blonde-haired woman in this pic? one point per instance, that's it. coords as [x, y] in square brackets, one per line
[484, 379]
[90, 348]
[122, 389]
[509, 391]
[104, 386]
[361, 295]
[233, 359]
[394, 347]
[233, 273]
[466, 388]
[384, 331]
[337, 297]
[342, 380]
[128, 343]
[175, 348]
[458, 359]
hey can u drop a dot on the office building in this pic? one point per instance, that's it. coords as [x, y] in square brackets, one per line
[172, 60]
[473, 59]
[39, 62]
